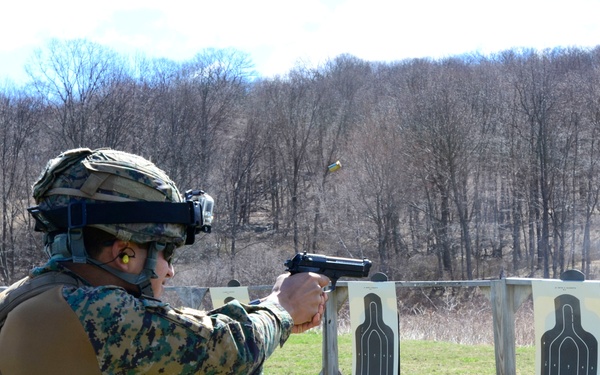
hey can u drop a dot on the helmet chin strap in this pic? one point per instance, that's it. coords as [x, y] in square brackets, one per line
[141, 280]
[78, 254]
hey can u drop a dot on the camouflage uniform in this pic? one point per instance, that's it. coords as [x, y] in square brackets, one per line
[132, 335]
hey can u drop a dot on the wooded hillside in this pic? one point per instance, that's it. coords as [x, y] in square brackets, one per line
[460, 168]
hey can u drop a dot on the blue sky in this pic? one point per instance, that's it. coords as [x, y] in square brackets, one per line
[278, 34]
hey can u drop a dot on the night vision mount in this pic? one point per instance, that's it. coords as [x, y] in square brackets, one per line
[196, 213]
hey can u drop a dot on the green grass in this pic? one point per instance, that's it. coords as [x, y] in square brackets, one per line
[301, 355]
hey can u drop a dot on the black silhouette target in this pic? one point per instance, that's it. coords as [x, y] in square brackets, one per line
[374, 341]
[568, 348]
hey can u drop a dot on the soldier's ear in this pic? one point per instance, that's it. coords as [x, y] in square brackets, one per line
[121, 252]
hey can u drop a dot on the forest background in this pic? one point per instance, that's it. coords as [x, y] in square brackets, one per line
[466, 167]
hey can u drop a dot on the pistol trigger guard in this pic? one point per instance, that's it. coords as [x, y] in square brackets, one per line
[331, 287]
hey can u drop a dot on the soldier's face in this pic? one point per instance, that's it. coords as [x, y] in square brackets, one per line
[164, 271]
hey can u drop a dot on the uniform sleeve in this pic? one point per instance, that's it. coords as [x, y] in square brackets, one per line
[256, 331]
[131, 335]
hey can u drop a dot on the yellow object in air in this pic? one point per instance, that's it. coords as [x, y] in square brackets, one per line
[335, 166]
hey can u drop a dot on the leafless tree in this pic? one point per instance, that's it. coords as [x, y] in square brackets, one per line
[19, 125]
[74, 77]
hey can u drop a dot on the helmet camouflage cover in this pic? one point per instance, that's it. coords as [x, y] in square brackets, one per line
[106, 175]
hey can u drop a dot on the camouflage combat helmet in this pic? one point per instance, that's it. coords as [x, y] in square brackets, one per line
[112, 176]
[122, 194]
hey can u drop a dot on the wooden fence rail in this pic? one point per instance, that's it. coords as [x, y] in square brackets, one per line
[506, 297]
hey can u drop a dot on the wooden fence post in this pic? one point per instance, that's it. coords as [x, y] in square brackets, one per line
[504, 328]
[506, 296]
[330, 344]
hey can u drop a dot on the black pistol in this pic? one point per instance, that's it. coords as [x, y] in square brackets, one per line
[332, 267]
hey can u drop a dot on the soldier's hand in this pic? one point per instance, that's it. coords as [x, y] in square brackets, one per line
[303, 298]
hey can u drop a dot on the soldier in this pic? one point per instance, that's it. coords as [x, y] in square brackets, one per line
[112, 222]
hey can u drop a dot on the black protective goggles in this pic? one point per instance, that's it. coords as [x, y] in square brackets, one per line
[169, 253]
